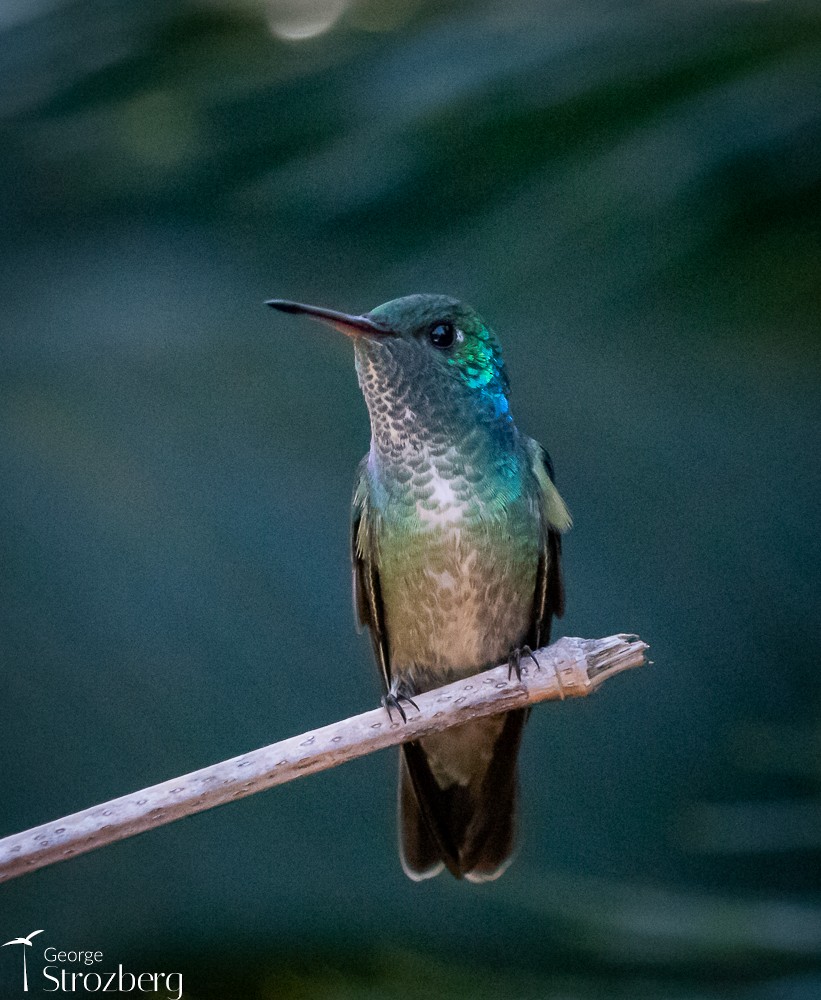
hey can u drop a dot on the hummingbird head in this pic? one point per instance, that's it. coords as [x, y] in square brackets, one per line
[428, 354]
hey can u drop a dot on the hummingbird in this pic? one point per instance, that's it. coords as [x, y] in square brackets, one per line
[456, 548]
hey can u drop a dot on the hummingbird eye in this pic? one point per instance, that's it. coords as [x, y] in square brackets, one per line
[443, 335]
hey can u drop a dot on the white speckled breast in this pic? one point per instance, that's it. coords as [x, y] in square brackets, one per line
[458, 581]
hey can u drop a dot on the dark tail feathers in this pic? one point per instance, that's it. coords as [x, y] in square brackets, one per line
[468, 828]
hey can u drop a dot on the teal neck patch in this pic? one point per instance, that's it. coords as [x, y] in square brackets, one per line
[478, 362]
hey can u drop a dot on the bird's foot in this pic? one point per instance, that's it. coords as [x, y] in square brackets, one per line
[514, 661]
[394, 698]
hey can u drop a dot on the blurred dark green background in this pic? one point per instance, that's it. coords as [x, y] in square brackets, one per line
[630, 194]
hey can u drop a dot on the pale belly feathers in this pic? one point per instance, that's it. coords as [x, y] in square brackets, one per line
[458, 591]
[458, 599]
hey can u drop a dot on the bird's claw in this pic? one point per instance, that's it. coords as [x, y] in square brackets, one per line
[393, 700]
[390, 702]
[514, 661]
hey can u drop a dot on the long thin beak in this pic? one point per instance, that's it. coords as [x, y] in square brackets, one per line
[352, 326]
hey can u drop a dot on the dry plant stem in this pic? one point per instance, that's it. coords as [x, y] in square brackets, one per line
[569, 668]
